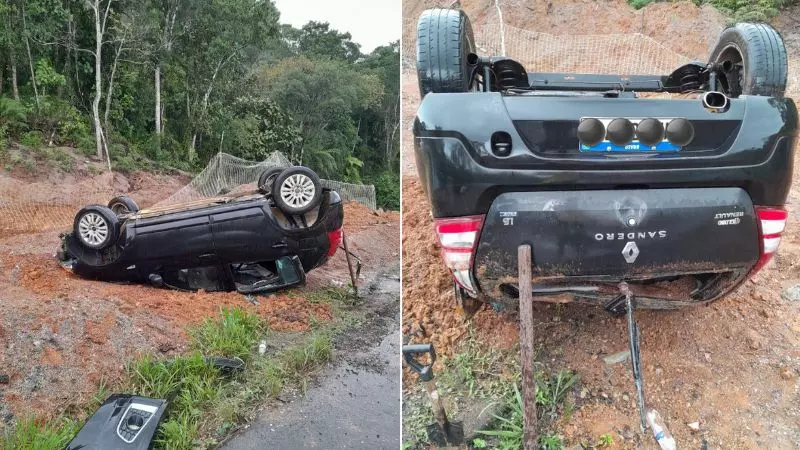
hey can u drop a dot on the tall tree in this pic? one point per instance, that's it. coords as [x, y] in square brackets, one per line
[323, 97]
[224, 42]
[101, 10]
[319, 40]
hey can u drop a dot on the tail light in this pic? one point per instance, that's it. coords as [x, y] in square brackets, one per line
[458, 238]
[334, 239]
[771, 223]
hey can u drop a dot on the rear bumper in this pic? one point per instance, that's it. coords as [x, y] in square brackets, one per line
[673, 246]
[458, 185]
[751, 147]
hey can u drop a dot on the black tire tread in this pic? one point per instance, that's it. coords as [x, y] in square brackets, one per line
[129, 203]
[268, 172]
[765, 57]
[441, 65]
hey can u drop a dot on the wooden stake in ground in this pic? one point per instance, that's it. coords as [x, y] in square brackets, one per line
[349, 265]
[526, 340]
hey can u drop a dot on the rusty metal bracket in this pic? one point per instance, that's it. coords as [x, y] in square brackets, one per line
[633, 344]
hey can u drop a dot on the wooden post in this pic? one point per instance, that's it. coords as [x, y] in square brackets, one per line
[526, 341]
[349, 265]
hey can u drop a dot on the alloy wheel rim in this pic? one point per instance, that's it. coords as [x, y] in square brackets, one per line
[93, 229]
[297, 191]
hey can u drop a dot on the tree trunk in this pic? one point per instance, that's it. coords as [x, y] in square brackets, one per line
[111, 84]
[192, 149]
[2, 80]
[206, 97]
[14, 85]
[98, 80]
[30, 59]
[158, 98]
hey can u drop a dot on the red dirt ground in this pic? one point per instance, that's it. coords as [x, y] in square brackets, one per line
[61, 335]
[733, 365]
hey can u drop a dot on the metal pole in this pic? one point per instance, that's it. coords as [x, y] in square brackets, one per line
[526, 340]
[636, 362]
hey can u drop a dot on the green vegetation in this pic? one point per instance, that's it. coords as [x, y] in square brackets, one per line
[737, 10]
[639, 4]
[478, 371]
[750, 11]
[31, 434]
[176, 81]
[550, 405]
[232, 335]
[206, 403]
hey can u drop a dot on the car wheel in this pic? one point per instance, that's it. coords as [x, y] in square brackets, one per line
[297, 190]
[96, 227]
[753, 60]
[267, 179]
[123, 205]
[444, 41]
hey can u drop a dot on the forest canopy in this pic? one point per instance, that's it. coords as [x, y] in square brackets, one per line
[176, 81]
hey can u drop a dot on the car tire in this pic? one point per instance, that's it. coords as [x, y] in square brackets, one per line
[444, 41]
[123, 205]
[267, 179]
[760, 65]
[297, 190]
[96, 227]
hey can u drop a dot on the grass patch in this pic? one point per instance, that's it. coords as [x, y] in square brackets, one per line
[204, 403]
[481, 372]
[233, 334]
[30, 434]
[550, 405]
[332, 295]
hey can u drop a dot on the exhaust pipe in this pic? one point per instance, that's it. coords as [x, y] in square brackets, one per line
[715, 102]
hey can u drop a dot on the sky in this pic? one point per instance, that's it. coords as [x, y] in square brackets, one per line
[372, 23]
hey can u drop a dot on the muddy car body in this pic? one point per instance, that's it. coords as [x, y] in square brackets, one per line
[241, 242]
[681, 198]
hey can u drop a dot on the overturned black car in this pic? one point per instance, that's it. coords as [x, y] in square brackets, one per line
[253, 242]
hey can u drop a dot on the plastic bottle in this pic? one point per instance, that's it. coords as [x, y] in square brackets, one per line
[660, 431]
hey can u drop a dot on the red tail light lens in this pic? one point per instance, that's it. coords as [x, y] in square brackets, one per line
[771, 223]
[458, 237]
[334, 239]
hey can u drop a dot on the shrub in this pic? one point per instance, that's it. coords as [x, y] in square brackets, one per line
[750, 11]
[387, 190]
[123, 163]
[639, 4]
[32, 139]
[86, 146]
[74, 126]
[3, 139]
[12, 112]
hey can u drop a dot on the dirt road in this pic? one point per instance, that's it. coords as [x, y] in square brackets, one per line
[732, 366]
[356, 404]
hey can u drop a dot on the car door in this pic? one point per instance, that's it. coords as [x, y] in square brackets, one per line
[244, 233]
[175, 241]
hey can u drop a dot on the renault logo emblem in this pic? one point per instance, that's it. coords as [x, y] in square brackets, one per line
[630, 252]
